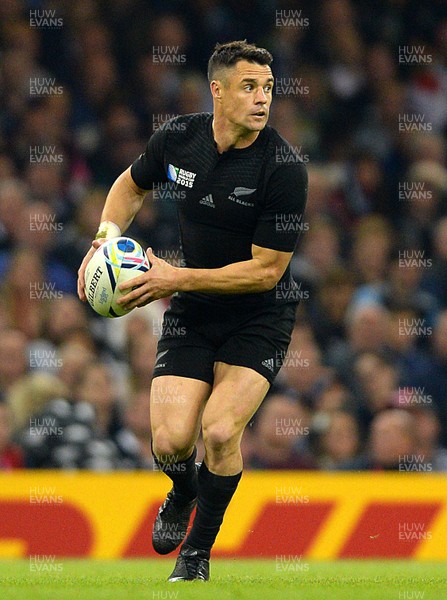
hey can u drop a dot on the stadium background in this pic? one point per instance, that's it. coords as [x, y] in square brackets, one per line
[361, 94]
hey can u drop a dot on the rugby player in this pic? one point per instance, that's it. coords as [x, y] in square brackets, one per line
[234, 301]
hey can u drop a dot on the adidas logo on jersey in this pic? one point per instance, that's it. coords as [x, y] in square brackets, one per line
[269, 363]
[208, 201]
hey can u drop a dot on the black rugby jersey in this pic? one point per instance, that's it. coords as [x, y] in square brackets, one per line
[227, 202]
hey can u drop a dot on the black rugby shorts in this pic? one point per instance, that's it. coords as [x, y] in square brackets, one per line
[197, 333]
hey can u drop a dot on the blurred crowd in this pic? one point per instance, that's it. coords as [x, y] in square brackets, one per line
[361, 94]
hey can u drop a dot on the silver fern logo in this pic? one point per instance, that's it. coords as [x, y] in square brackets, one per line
[240, 192]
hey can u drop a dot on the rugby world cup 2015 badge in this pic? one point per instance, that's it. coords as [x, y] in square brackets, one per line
[181, 176]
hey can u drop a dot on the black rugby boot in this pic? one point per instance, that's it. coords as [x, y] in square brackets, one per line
[192, 564]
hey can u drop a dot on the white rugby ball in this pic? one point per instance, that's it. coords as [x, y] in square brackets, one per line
[116, 261]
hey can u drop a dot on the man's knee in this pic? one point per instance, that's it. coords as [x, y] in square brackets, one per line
[221, 436]
[171, 444]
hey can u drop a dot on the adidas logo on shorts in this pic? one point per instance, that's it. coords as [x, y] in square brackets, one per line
[269, 363]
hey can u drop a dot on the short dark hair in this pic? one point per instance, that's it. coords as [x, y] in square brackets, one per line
[227, 55]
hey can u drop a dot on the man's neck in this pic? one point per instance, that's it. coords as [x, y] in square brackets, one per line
[227, 137]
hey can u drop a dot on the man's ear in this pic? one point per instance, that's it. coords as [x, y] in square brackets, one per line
[216, 89]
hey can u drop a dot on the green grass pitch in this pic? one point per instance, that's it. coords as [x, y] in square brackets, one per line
[292, 579]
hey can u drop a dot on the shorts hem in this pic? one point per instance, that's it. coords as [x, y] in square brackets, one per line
[172, 373]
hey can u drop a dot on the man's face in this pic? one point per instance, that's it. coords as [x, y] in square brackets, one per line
[389, 440]
[245, 92]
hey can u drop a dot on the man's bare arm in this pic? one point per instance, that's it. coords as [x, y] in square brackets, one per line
[259, 274]
[123, 202]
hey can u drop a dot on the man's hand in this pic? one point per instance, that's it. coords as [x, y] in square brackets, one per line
[81, 272]
[160, 281]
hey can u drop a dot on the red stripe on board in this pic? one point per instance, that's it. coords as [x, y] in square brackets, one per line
[46, 529]
[283, 530]
[390, 530]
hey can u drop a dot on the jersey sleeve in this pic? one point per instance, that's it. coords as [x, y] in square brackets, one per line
[148, 168]
[280, 223]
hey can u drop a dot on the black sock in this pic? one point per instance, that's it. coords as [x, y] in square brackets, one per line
[183, 474]
[215, 493]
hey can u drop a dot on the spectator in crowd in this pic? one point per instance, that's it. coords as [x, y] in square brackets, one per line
[338, 441]
[11, 455]
[303, 369]
[30, 394]
[142, 351]
[281, 430]
[138, 422]
[86, 432]
[392, 444]
[96, 388]
[434, 280]
[26, 292]
[320, 253]
[372, 245]
[14, 362]
[66, 317]
[424, 193]
[408, 350]
[332, 397]
[82, 228]
[327, 313]
[428, 429]
[323, 182]
[378, 380]
[401, 288]
[13, 198]
[74, 359]
[35, 230]
[433, 379]
[367, 331]
[362, 192]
